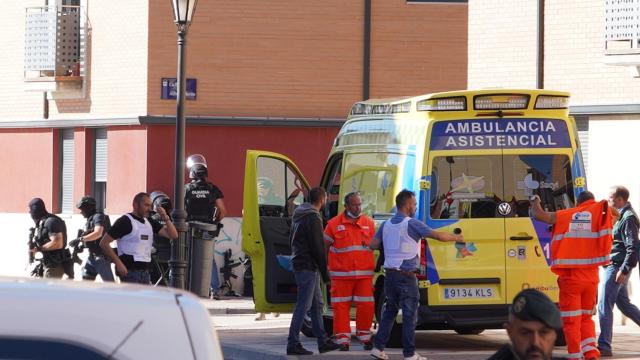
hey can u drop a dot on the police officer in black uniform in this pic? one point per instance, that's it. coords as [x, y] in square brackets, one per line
[94, 229]
[51, 238]
[202, 198]
[162, 245]
[204, 202]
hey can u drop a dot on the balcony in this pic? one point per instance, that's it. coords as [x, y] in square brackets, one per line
[54, 51]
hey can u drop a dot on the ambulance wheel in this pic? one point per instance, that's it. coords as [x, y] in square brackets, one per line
[395, 337]
[466, 331]
[560, 340]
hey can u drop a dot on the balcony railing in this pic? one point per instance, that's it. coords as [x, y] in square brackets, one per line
[622, 26]
[54, 48]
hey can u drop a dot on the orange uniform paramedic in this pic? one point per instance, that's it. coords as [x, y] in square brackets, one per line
[351, 265]
[581, 242]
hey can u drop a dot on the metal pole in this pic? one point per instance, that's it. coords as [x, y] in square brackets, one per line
[178, 261]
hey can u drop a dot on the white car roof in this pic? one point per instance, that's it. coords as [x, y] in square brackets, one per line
[139, 321]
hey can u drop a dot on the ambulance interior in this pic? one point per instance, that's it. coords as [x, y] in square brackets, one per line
[471, 187]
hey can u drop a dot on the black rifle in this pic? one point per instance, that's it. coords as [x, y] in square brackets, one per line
[32, 244]
[78, 247]
[227, 272]
[38, 270]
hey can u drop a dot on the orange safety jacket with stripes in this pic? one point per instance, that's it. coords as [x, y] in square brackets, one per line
[349, 254]
[582, 236]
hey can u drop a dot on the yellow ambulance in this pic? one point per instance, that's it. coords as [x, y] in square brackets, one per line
[473, 158]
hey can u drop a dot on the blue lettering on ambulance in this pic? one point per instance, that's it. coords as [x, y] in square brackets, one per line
[499, 133]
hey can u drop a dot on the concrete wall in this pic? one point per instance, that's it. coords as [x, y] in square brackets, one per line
[225, 150]
[126, 173]
[29, 167]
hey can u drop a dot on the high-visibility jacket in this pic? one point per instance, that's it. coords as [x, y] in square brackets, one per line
[581, 236]
[349, 254]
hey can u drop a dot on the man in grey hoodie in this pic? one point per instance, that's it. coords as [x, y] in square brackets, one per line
[309, 262]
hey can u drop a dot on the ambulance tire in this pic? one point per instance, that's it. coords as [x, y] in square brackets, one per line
[467, 331]
[395, 337]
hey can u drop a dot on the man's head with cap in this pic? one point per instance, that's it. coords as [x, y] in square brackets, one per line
[533, 322]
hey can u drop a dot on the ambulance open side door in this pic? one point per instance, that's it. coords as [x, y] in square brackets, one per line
[273, 187]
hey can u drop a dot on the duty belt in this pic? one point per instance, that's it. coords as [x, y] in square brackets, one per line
[410, 273]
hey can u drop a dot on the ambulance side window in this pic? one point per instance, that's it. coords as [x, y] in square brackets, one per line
[280, 189]
[466, 187]
[548, 176]
[333, 188]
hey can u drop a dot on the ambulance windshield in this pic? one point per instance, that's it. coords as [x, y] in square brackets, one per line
[473, 186]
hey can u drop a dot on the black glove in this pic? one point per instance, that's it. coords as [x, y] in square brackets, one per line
[75, 242]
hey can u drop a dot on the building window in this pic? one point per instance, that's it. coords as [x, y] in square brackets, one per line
[67, 165]
[100, 151]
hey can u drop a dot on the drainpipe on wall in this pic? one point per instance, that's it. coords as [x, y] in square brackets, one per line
[45, 106]
[540, 46]
[366, 68]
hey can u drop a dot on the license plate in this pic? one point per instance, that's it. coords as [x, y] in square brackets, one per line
[468, 292]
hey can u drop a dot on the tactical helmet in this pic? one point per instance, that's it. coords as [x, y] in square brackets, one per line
[197, 166]
[87, 202]
[159, 198]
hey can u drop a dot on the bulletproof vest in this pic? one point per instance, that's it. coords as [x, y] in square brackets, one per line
[199, 201]
[56, 257]
[94, 246]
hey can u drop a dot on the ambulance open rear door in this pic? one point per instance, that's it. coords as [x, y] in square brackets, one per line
[273, 187]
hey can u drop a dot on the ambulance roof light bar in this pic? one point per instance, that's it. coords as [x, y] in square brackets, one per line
[456, 103]
[501, 102]
[363, 108]
[552, 102]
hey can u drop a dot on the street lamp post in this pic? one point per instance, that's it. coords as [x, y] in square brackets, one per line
[182, 14]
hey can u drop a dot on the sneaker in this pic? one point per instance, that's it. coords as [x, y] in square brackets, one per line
[415, 356]
[344, 347]
[261, 317]
[605, 352]
[330, 345]
[298, 350]
[379, 354]
[367, 345]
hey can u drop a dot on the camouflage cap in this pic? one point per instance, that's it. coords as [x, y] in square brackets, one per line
[533, 305]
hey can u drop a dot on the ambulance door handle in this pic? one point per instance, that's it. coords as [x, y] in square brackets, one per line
[528, 237]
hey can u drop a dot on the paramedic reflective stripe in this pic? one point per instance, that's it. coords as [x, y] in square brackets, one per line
[349, 249]
[588, 341]
[364, 335]
[577, 313]
[591, 261]
[363, 298]
[588, 348]
[341, 299]
[328, 238]
[583, 234]
[343, 338]
[351, 273]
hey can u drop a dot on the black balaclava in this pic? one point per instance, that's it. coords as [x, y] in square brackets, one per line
[37, 209]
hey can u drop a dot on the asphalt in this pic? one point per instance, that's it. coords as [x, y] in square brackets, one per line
[241, 337]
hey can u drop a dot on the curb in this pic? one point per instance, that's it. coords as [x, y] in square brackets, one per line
[229, 311]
